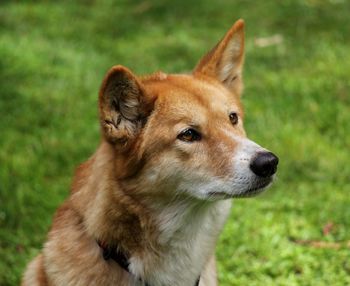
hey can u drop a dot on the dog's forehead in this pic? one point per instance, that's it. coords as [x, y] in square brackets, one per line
[192, 94]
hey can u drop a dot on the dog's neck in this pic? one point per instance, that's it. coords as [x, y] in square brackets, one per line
[172, 237]
[187, 232]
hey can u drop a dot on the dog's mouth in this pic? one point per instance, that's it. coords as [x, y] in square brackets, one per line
[250, 192]
[259, 188]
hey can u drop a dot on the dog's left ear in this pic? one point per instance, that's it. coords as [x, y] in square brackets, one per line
[225, 61]
[123, 106]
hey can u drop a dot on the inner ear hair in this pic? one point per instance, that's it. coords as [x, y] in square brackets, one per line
[120, 105]
[230, 64]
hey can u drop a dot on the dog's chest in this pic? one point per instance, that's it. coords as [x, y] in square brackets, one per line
[189, 241]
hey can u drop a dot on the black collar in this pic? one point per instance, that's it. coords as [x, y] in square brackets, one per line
[120, 258]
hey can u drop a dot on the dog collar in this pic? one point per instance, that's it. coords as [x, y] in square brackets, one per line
[120, 258]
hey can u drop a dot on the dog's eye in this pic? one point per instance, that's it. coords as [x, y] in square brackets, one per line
[233, 118]
[189, 135]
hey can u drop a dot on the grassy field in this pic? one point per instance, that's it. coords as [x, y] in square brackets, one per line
[54, 55]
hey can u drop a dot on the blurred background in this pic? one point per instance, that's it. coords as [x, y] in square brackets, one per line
[54, 54]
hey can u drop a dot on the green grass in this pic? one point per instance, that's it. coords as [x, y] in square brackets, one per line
[53, 57]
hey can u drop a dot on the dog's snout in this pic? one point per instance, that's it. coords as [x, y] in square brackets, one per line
[264, 164]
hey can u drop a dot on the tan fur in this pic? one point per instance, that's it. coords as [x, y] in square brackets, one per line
[124, 195]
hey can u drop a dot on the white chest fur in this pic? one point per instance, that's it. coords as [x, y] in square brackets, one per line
[188, 237]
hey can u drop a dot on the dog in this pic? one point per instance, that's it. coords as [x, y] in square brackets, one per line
[147, 208]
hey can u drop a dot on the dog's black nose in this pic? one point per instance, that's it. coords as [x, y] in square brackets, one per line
[264, 164]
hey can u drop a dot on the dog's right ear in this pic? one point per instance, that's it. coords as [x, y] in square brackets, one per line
[122, 106]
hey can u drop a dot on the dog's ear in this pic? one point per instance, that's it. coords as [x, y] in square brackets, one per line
[122, 105]
[225, 60]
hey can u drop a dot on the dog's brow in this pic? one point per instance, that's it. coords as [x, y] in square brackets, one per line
[195, 126]
[191, 122]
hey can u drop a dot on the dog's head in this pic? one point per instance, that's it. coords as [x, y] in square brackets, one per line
[183, 134]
